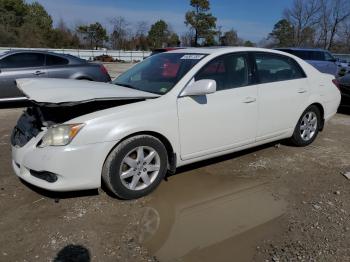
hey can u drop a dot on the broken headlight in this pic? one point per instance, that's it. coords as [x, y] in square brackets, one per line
[60, 135]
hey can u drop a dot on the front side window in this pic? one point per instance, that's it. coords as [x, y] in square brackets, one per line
[23, 60]
[228, 71]
[159, 73]
[273, 68]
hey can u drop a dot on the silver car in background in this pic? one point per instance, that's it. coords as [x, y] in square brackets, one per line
[41, 64]
[321, 59]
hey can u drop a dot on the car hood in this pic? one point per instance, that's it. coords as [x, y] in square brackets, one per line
[67, 91]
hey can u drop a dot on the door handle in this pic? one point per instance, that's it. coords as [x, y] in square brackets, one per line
[249, 100]
[38, 73]
[302, 91]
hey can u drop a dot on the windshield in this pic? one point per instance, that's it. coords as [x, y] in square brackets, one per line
[159, 73]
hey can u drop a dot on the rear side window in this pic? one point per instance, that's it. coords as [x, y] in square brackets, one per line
[273, 68]
[229, 71]
[52, 60]
[23, 60]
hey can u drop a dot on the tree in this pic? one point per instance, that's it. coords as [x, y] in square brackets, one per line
[201, 21]
[62, 36]
[173, 40]
[303, 16]
[158, 34]
[283, 33]
[119, 34]
[249, 44]
[230, 38]
[36, 28]
[29, 25]
[187, 38]
[12, 13]
[141, 35]
[333, 14]
[94, 34]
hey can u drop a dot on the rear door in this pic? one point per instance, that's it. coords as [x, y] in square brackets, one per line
[282, 93]
[16, 66]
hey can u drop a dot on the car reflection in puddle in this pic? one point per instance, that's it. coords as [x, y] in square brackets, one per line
[203, 217]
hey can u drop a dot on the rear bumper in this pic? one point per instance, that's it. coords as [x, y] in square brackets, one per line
[331, 106]
[75, 167]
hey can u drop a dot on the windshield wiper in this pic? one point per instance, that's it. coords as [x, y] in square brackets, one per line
[132, 87]
[125, 85]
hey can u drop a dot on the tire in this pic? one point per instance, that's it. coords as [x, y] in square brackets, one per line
[141, 175]
[307, 128]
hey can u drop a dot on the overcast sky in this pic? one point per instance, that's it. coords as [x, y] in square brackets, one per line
[253, 19]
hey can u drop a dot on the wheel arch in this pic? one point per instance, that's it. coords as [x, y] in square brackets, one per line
[81, 76]
[169, 147]
[320, 107]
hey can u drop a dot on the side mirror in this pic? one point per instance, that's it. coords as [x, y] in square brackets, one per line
[200, 88]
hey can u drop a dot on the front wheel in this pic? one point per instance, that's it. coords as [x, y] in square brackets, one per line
[135, 167]
[307, 128]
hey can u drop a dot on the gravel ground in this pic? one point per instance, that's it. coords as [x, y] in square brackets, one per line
[271, 203]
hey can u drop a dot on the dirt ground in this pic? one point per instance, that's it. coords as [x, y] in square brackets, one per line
[271, 203]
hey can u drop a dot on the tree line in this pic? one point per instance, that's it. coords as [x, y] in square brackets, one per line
[314, 23]
[307, 23]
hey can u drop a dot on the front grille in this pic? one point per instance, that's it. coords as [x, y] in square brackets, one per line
[28, 126]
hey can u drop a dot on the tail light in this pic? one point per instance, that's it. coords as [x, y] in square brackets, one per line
[336, 83]
[104, 70]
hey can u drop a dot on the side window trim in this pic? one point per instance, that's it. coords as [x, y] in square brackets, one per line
[253, 71]
[254, 54]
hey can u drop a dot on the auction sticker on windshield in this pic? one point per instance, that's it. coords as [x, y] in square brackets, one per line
[192, 57]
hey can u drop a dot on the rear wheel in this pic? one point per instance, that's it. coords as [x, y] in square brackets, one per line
[135, 167]
[308, 127]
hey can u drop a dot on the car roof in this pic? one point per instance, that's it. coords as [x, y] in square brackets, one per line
[168, 48]
[302, 49]
[223, 50]
[19, 51]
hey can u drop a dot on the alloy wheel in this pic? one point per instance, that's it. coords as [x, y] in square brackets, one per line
[308, 126]
[139, 168]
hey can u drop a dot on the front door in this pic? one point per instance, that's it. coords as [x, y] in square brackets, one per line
[225, 119]
[19, 65]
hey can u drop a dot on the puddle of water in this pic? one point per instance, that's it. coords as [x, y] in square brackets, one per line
[206, 217]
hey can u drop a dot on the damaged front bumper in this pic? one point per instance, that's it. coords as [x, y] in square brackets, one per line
[65, 168]
[55, 168]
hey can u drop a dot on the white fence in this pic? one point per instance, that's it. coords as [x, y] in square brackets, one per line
[127, 56]
[345, 57]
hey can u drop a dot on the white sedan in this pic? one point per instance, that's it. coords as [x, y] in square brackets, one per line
[170, 110]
